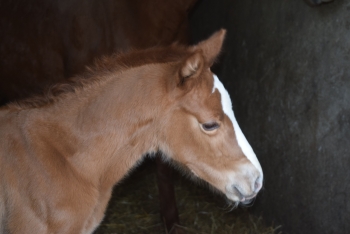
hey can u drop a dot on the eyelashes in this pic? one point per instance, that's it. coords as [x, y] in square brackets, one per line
[210, 126]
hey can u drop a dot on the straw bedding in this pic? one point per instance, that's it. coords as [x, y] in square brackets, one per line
[134, 209]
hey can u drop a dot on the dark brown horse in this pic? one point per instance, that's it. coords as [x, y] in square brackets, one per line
[45, 42]
[61, 154]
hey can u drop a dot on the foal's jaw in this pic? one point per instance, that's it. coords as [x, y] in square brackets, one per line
[241, 183]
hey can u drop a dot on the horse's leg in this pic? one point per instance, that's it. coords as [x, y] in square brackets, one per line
[168, 208]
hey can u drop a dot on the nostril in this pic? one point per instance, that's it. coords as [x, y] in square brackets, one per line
[237, 192]
[257, 185]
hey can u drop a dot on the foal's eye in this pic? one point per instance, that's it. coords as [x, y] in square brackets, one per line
[210, 126]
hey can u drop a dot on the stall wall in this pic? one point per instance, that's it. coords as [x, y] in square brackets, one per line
[286, 66]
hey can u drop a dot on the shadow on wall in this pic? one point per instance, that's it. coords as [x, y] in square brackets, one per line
[317, 2]
[286, 66]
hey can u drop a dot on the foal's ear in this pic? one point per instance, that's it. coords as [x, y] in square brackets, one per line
[203, 55]
[191, 67]
[212, 46]
[189, 71]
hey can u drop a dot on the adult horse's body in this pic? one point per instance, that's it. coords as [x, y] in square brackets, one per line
[61, 156]
[46, 42]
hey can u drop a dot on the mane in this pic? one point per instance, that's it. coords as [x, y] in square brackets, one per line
[93, 75]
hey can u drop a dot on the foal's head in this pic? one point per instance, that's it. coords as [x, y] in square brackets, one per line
[201, 131]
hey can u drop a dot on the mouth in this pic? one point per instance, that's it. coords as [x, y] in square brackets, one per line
[248, 200]
[234, 194]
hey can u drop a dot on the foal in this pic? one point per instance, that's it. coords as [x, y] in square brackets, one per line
[61, 156]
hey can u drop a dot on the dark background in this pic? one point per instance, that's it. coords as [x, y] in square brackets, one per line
[286, 66]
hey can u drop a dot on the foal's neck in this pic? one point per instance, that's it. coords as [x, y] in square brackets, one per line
[110, 125]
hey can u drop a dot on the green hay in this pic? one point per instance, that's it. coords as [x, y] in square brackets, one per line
[134, 208]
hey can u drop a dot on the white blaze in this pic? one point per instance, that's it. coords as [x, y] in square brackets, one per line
[242, 141]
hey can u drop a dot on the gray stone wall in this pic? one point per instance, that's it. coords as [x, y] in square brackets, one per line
[286, 66]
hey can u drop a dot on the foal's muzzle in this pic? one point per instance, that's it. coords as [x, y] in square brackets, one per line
[244, 185]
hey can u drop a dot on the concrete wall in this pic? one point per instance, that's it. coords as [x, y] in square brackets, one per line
[286, 66]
